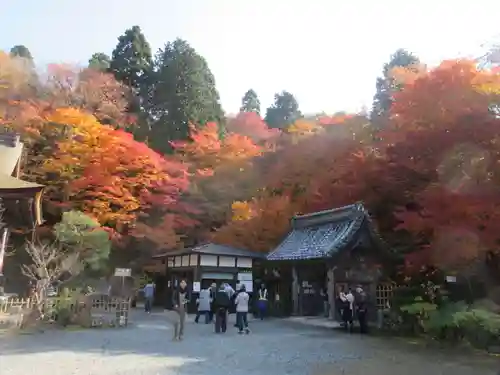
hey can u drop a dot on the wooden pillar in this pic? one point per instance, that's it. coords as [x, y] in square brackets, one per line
[331, 291]
[295, 291]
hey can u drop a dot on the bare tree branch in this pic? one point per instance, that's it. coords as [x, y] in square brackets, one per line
[49, 264]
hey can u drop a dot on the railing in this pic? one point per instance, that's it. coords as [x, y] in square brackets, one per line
[7, 305]
[383, 295]
[100, 310]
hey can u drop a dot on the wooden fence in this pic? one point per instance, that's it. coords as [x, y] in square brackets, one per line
[100, 310]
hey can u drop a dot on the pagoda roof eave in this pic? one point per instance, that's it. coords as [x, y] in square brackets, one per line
[11, 187]
[21, 192]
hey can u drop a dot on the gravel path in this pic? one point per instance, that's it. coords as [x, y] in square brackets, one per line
[273, 348]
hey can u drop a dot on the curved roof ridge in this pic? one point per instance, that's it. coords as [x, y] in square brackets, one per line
[328, 216]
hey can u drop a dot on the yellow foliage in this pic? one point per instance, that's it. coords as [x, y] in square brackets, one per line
[303, 128]
[241, 211]
[85, 137]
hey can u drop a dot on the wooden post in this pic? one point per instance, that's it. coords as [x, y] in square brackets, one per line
[295, 291]
[331, 292]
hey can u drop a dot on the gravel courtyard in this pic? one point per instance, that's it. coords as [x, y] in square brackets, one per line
[273, 348]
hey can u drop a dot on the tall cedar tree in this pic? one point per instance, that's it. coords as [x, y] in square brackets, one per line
[131, 59]
[100, 61]
[21, 51]
[283, 112]
[183, 93]
[386, 85]
[250, 102]
[131, 63]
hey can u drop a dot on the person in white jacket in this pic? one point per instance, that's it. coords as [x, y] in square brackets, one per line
[348, 311]
[241, 303]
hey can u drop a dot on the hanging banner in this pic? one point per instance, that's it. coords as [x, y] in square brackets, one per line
[3, 247]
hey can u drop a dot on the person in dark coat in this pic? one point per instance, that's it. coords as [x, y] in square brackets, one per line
[362, 309]
[222, 302]
[213, 292]
[177, 316]
[340, 304]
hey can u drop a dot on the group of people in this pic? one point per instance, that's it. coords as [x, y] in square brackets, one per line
[214, 304]
[351, 305]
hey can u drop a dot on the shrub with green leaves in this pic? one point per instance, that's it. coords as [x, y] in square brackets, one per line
[79, 233]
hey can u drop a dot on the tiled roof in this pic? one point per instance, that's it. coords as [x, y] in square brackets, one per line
[321, 234]
[214, 249]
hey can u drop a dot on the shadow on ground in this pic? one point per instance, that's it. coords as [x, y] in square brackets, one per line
[273, 347]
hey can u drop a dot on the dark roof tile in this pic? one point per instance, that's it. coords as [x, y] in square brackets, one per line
[214, 249]
[321, 234]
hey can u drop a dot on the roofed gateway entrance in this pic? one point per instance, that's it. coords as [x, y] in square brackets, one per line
[21, 200]
[325, 250]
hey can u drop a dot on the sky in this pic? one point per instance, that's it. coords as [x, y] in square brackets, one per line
[327, 53]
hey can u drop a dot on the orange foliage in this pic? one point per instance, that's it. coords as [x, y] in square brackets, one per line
[109, 174]
[263, 227]
[407, 74]
[444, 146]
[206, 150]
[251, 125]
[334, 120]
[300, 178]
[451, 91]
[223, 171]
[433, 172]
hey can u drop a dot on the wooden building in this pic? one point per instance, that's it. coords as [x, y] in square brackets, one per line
[326, 250]
[203, 265]
[20, 200]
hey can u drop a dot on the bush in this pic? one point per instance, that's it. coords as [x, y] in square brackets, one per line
[63, 308]
[453, 322]
[481, 328]
[415, 315]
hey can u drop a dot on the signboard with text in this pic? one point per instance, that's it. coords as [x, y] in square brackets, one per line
[123, 272]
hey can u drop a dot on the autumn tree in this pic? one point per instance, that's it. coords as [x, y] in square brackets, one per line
[183, 92]
[302, 128]
[283, 112]
[386, 85]
[104, 172]
[258, 225]
[442, 144]
[251, 125]
[319, 171]
[250, 102]
[222, 171]
[207, 151]
[98, 93]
